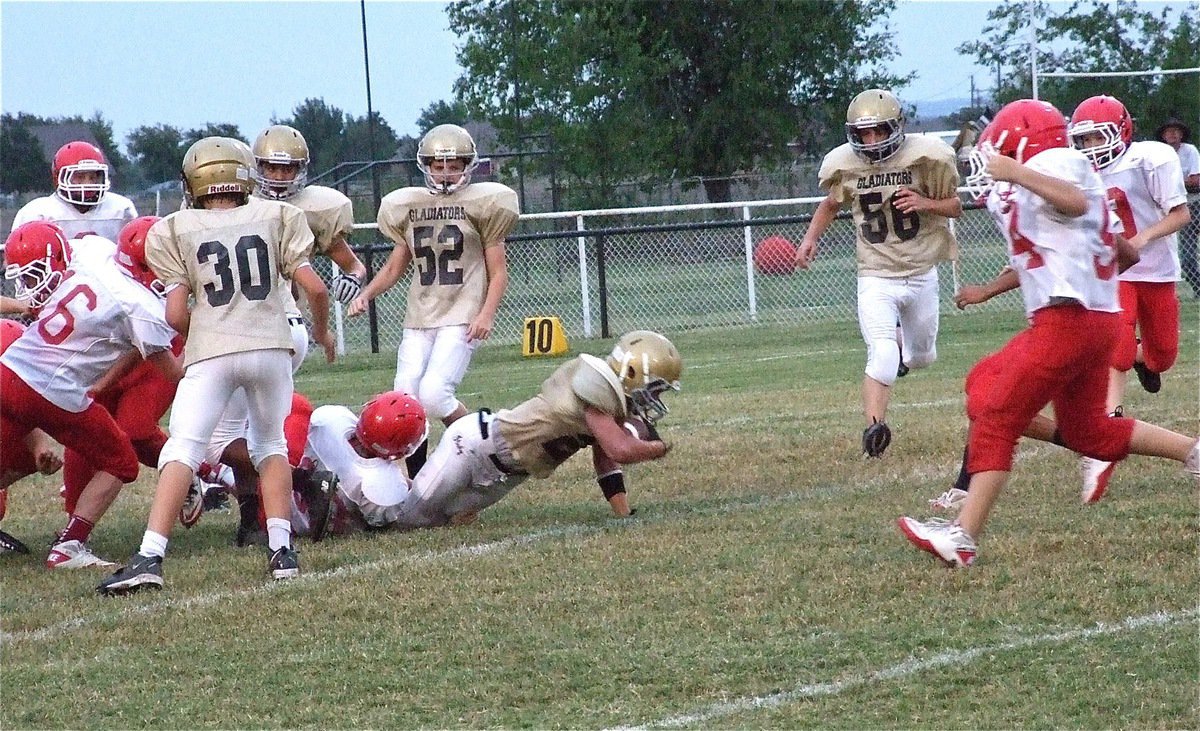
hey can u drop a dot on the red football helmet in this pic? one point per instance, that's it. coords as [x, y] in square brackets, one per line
[76, 159]
[1020, 130]
[1107, 117]
[35, 256]
[392, 425]
[10, 330]
[131, 253]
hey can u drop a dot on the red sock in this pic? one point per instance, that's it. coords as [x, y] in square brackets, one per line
[78, 529]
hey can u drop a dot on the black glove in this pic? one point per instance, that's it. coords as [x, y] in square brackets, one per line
[345, 287]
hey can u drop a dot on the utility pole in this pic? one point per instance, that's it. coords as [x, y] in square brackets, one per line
[973, 105]
[362, 4]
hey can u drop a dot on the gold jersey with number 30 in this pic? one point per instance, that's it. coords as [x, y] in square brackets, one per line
[889, 243]
[447, 234]
[234, 262]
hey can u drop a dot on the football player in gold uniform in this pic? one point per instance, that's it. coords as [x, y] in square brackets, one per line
[232, 253]
[453, 231]
[901, 189]
[586, 402]
[282, 157]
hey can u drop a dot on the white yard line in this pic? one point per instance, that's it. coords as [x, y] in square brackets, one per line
[912, 666]
[171, 603]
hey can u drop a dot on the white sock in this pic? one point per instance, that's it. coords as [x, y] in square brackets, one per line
[153, 544]
[279, 533]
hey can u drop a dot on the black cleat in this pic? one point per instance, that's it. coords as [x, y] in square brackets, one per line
[216, 499]
[876, 438]
[285, 563]
[142, 572]
[320, 503]
[902, 371]
[10, 543]
[1150, 380]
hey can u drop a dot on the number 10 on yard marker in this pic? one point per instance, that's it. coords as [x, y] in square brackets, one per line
[543, 336]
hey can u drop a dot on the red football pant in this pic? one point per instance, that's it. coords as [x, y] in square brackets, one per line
[1061, 359]
[1150, 309]
[137, 403]
[92, 432]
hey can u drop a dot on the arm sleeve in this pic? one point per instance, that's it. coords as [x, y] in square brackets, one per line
[393, 223]
[943, 173]
[297, 240]
[163, 255]
[501, 217]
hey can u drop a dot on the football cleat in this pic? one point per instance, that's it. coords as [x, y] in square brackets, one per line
[876, 438]
[950, 501]
[193, 504]
[285, 563]
[947, 541]
[142, 572]
[1096, 474]
[11, 544]
[317, 489]
[73, 555]
[1192, 464]
[1150, 380]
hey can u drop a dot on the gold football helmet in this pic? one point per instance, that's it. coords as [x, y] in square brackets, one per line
[648, 365]
[446, 142]
[871, 109]
[217, 165]
[280, 144]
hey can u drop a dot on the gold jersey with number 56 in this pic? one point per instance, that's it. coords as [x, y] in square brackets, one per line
[889, 243]
[446, 234]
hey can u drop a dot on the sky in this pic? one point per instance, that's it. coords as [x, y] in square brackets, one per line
[189, 63]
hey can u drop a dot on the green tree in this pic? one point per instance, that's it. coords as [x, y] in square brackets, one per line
[212, 129]
[357, 143]
[157, 152]
[1096, 37]
[634, 91]
[23, 166]
[442, 112]
[323, 127]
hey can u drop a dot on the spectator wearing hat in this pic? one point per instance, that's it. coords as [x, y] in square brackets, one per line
[1177, 134]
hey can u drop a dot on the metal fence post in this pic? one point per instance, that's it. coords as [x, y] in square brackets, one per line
[584, 290]
[747, 236]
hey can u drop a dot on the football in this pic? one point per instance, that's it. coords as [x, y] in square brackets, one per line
[775, 255]
[637, 428]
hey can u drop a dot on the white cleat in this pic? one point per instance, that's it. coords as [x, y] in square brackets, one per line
[1096, 474]
[947, 541]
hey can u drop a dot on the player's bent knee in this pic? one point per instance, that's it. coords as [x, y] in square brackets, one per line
[190, 452]
[883, 361]
[438, 399]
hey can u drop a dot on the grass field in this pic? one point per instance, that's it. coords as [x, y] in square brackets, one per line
[762, 583]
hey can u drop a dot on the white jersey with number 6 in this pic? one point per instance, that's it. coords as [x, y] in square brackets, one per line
[92, 318]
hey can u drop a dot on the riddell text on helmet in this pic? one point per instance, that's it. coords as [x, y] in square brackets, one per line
[224, 188]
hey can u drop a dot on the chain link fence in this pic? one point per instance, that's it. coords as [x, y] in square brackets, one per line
[673, 268]
[668, 268]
